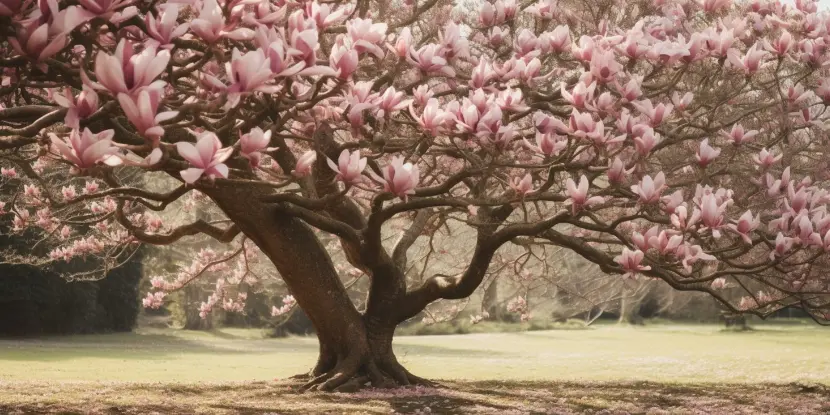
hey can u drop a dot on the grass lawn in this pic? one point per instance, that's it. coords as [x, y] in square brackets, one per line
[775, 369]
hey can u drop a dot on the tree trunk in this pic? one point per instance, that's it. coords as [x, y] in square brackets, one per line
[490, 301]
[630, 310]
[355, 349]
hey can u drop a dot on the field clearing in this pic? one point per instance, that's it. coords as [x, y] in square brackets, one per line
[775, 369]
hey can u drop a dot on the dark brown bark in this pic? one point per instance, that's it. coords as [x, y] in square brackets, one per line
[355, 349]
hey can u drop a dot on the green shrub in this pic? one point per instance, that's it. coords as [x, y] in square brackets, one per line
[36, 301]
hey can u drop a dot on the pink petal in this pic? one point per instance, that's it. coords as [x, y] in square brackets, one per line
[192, 174]
[189, 152]
[53, 47]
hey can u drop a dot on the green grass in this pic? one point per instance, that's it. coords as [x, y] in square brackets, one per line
[163, 363]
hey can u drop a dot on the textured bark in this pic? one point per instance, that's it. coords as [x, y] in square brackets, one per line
[355, 349]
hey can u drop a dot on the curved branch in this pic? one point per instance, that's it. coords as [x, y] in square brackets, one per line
[195, 228]
[41, 123]
[321, 222]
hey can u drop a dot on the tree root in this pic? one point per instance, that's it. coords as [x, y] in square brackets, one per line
[353, 374]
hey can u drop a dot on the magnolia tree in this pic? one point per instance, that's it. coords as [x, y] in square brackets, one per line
[678, 140]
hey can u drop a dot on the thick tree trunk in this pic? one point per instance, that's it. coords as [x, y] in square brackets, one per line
[630, 311]
[355, 349]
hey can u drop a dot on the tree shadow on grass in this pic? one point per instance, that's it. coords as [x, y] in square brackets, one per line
[140, 346]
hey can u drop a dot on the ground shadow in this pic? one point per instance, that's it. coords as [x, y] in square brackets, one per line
[486, 397]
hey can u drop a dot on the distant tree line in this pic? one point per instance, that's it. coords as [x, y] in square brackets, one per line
[39, 301]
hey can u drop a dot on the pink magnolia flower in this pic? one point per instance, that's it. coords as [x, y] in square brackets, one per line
[85, 149]
[106, 8]
[127, 72]
[671, 202]
[718, 283]
[544, 9]
[280, 55]
[428, 60]
[433, 118]
[711, 213]
[511, 99]
[635, 45]
[641, 241]
[650, 189]
[584, 51]
[646, 141]
[21, 220]
[490, 122]
[366, 35]
[248, 73]
[163, 29]
[584, 125]
[210, 26]
[797, 96]
[525, 43]
[78, 108]
[306, 43]
[548, 144]
[632, 89]
[783, 244]
[657, 114]
[400, 178]
[207, 158]
[37, 41]
[344, 60]
[604, 66]
[681, 102]
[706, 154]
[631, 262]
[266, 14]
[487, 15]
[823, 90]
[780, 46]
[403, 43]
[581, 95]
[10, 172]
[578, 195]
[738, 135]
[750, 63]
[305, 163]
[745, 224]
[522, 186]
[323, 15]
[680, 218]
[142, 111]
[665, 243]
[90, 187]
[766, 158]
[154, 300]
[558, 41]
[617, 172]
[253, 144]
[710, 6]
[349, 167]
[391, 101]
[691, 254]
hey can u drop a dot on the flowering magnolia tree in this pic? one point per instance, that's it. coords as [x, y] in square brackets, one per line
[679, 140]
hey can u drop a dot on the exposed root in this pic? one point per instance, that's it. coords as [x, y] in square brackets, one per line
[354, 374]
